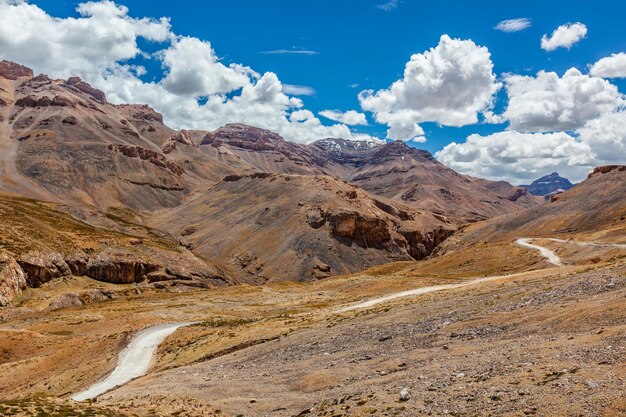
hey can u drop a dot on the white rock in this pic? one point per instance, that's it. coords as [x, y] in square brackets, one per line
[404, 394]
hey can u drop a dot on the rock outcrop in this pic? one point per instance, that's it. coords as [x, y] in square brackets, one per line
[605, 169]
[147, 155]
[12, 71]
[140, 112]
[80, 85]
[12, 279]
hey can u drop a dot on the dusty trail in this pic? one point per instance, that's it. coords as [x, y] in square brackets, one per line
[590, 244]
[134, 360]
[547, 253]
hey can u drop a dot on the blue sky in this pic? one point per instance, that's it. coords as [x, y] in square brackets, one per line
[361, 45]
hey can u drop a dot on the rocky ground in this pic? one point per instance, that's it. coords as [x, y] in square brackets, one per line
[545, 342]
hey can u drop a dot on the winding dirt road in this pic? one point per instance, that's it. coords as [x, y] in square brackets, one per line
[545, 252]
[134, 360]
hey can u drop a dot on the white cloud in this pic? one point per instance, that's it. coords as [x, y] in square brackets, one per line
[195, 70]
[298, 90]
[98, 44]
[350, 118]
[448, 84]
[548, 102]
[519, 157]
[290, 52]
[606, 135]
[613, 66]
[564, 36]
[389, 6]
[513, 25]
[523, 157]
[104, 34]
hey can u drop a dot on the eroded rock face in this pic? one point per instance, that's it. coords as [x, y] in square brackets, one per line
[367, 232]
[43, 267]
[12, 279]
[45, 101]
[12, 71]
[183, 137]
[606, 169]
[35, 268]
[82, 86]
[147, 155]
[119, 271]
[422, 244]
[141, 112]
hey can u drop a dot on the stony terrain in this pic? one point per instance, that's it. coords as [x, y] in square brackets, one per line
[548, 342]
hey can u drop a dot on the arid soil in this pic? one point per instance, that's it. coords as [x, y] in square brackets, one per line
[544, 342]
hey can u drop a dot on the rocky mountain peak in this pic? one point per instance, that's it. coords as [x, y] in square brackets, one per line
[243, 136]
[338, 145]
[399, 148]
[140, 112]
[12, 71]
[549, 184]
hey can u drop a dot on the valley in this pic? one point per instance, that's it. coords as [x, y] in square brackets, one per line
[148, 271]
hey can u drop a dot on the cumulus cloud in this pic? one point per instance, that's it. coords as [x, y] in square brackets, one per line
[519, 157]
[523, 157]
[606, 135]
[513, 25]
[548, 102]
[350, 118]
[564, 36]
[194, 69]
[103, 34]
[613, 66]
[449, 84]
[99, 44]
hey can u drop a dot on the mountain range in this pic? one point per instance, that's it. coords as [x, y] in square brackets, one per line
[338, 206]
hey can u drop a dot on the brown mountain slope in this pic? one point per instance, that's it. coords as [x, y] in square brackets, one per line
[594, 209]
[39, 243]
[266, 227]
[60, 140]
[413, 176]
